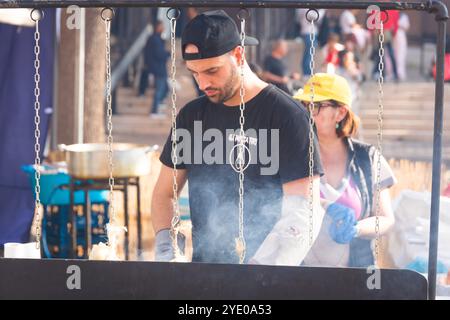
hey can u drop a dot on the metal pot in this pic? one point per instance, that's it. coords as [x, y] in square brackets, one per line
[90, 160]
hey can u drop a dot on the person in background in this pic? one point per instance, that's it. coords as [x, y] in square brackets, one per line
[161, 15]
[326, 27]
[275, 70]
[330, 54]
[305, 30]
[347, 22]
[191, 13]
[354, 32]
[350, 68]
[401, 45]
[446, 64]
[348, 186]
[350, 62]
[155, 57]
[390, 29]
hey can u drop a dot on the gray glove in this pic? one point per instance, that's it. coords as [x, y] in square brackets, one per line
[163, 245]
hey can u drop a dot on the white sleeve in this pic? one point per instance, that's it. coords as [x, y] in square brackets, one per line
[288, 242]
[387, 178]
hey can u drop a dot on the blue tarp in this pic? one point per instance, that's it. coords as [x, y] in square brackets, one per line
[17, 120]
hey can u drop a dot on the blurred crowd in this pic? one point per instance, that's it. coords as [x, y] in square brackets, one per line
[341, 45]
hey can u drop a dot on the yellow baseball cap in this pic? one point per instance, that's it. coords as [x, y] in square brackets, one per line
[326, 86]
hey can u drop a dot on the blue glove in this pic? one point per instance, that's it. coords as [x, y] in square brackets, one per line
[343, 227]
[163, 245]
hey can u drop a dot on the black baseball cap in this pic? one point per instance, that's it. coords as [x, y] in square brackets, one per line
[214, 33]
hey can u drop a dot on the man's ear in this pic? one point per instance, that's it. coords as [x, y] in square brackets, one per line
[237, 54]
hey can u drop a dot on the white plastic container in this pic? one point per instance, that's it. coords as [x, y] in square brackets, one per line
[22, 250]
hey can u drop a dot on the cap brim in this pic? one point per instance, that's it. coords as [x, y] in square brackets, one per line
[250, 41]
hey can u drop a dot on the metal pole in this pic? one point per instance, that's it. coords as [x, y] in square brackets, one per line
[54, 119]
[79, 79]
[422, 6]
[441, 13]
[73, 216]
[126, 216]
[88, 216]
[139, 217]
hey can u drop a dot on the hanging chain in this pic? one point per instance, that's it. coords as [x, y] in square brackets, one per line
[176, 220]
[312, 51]
[109, 115]
[37, 132]
[240, 242]
[379, 142]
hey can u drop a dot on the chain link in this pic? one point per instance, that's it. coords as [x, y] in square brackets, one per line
[176, 220]
[240, 242]
[379, 143]
[312, 51]
[109, 121]
[37, 135]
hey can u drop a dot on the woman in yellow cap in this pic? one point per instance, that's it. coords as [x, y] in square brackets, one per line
[348, 186]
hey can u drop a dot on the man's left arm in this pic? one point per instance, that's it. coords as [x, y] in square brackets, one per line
[289, 241]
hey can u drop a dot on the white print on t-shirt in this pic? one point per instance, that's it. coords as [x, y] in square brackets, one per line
[208, 147]
[240, 139]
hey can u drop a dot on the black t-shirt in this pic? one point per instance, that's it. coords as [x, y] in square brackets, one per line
[276, 67]
[277, 134]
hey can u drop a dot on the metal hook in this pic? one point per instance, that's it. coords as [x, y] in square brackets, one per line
[176, 13]
[111, 15]
[313, 19]
[243, 14]
[39, 12]
[387, 16]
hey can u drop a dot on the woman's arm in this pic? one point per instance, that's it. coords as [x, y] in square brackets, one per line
[366, 227]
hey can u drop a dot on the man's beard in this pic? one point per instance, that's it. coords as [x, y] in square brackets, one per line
[228, 90]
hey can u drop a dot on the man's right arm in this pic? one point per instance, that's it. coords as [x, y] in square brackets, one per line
[162, 206]
[268, 76]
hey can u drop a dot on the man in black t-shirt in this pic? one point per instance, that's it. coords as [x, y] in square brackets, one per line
[276, 207]
[275, 70]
